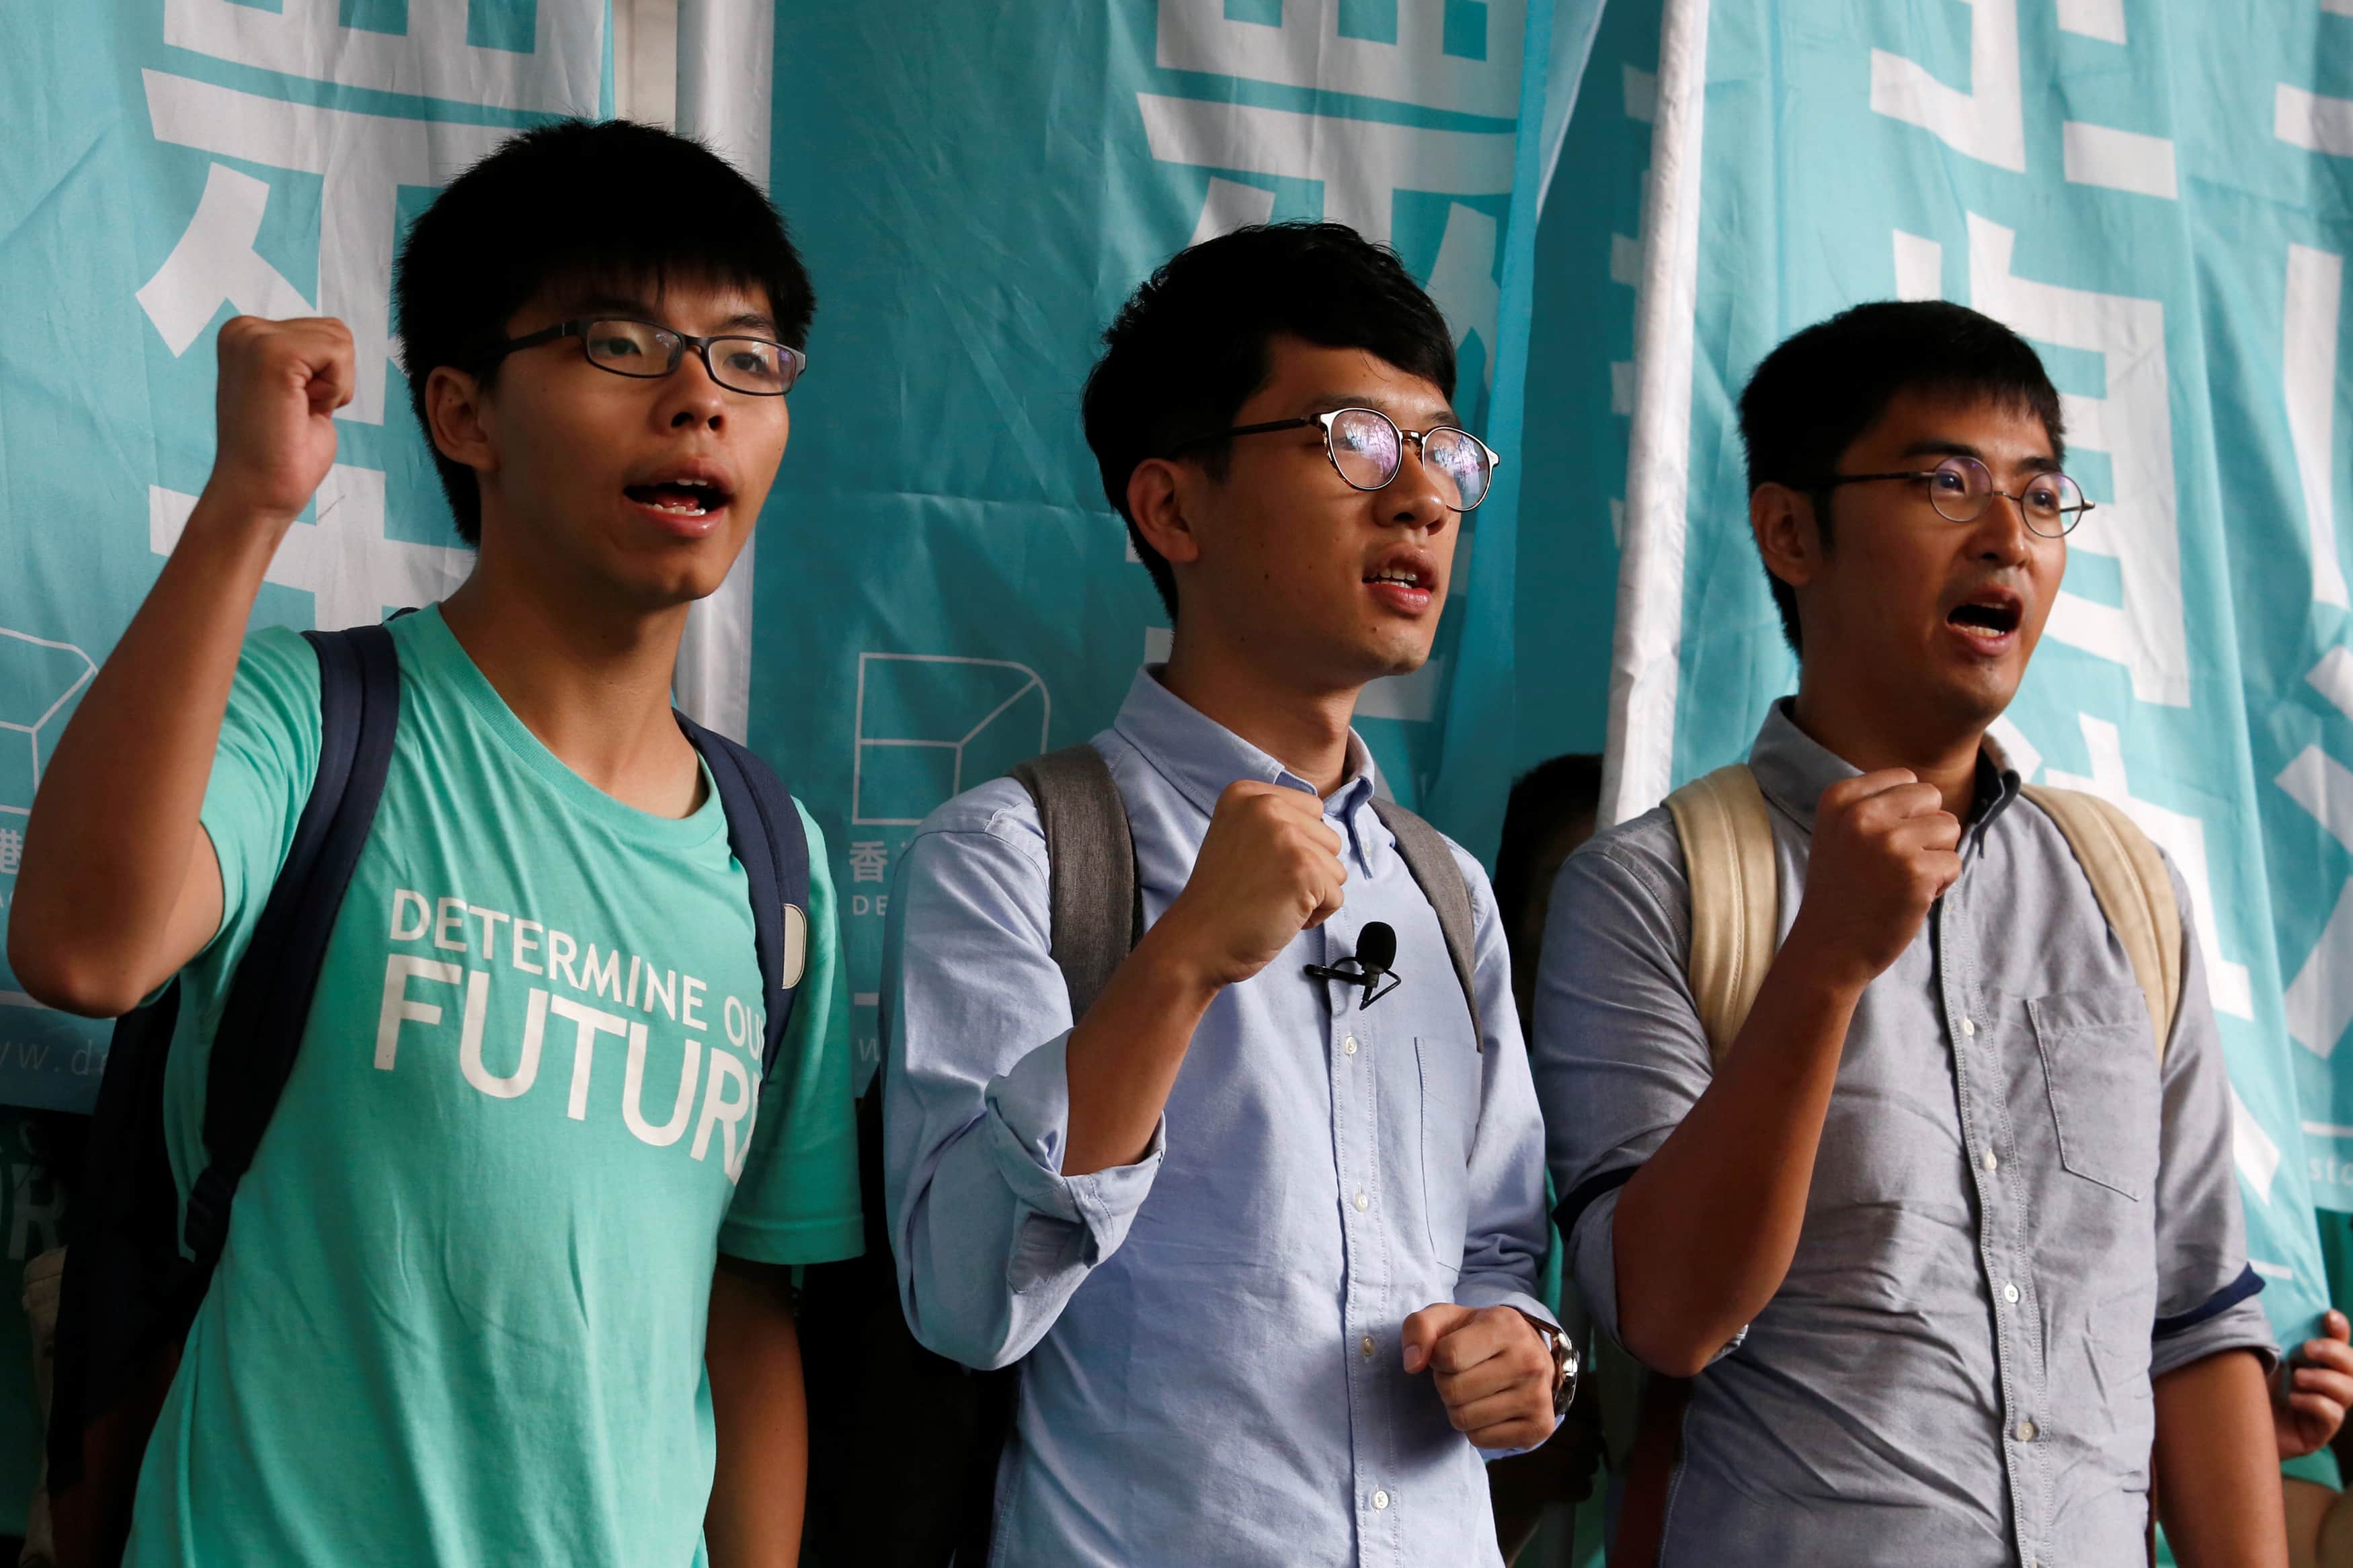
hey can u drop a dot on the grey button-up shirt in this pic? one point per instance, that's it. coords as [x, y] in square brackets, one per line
[2018, 1216]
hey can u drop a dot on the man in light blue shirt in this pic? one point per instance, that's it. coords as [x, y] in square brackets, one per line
[1265, 1257]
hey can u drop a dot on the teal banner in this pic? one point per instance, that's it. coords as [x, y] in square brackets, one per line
[943, 589]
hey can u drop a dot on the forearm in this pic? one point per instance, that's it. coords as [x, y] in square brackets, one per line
[1123, 1056]
[2217, 1470]
[1703, 1233]
[759, 1416]
[114, 829]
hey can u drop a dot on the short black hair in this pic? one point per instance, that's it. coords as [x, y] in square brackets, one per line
[1190, 347]
[1816, 394]
[596, 206]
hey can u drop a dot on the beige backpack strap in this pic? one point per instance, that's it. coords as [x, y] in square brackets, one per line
[1727, 834]
[2129, 876]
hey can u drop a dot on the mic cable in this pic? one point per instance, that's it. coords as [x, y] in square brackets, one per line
[1367, 966]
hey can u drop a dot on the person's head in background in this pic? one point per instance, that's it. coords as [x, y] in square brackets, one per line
[1907, 498]
[584, 446]
[1553, 807]
[1251, 416]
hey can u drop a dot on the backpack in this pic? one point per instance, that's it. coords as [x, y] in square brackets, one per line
[1728, 858]
[904, 1443]
[136, 1274]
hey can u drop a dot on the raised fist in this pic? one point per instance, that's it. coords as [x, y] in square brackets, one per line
[1269, 869]
[1885, 849]
[280, 383]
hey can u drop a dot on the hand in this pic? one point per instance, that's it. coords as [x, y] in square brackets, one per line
[2313, 1388]
[280, 383]
[1885, 849]
[1494, 1371]
[1269, 869]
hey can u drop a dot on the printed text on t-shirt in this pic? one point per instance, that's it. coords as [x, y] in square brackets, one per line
[495, 946]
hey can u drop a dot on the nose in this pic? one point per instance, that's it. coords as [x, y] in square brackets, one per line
[1419, 496]
[689, 397]
[2001, 536]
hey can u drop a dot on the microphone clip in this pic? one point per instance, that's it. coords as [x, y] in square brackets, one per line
[1351, 971]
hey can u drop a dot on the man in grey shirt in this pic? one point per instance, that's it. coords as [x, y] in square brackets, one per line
[1952, 1254]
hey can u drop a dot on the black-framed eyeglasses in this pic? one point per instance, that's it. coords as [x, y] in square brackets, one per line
[760, 367]
[1960, 488]
[1368, 449]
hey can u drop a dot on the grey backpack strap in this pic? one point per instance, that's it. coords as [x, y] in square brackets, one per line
[1431, 860]
[1091, 861]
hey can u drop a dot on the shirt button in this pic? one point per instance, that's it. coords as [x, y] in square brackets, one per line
[1368, 1347]
[1363, 1203]
[1380, 1500]
[1991, 1163]
[2026, 1431]
[2009, 1294]
[1969, 1029]
[1348, 1045]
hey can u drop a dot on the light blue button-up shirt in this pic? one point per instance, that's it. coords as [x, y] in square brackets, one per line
[1208, 1339]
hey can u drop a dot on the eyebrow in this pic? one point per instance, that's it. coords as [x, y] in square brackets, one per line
[1332, 402]
[758, 321]
[2041, 463]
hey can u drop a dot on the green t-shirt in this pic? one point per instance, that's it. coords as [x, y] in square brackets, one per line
[459, 1317]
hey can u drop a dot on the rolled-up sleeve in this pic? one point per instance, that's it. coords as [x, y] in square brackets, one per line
[990, 1237]
[1619, 1057]
[2206, 1291]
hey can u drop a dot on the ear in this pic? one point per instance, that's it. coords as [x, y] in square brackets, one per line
[458, 419]
[1787, 534]
[1156, 499]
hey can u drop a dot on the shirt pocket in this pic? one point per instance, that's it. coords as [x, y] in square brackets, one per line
[1449, 1073]
[2099, 1062]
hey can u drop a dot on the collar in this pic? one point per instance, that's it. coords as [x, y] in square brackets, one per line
[1199, 757]
[1793, 768]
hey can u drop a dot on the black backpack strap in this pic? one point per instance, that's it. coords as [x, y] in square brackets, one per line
[764, 829]
[269, 1001]
[1091, 860]
[1435, 871]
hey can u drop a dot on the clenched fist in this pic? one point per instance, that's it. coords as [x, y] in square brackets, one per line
[1493, 1369]
[1269, 869]
[280, 383]
[1885, 849]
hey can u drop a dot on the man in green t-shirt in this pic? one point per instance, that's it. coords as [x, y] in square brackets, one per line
[506, 1281]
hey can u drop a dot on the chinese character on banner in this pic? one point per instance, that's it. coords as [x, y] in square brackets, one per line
[867, 860]
[368, 111]
[11, 849]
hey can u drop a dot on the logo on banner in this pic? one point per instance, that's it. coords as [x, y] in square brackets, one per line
[928, 726]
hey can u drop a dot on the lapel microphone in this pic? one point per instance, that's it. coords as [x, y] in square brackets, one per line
[1367, 966]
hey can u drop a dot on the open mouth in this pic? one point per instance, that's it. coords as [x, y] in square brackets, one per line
[679, 498]
[1408, 587]
[1988, 618]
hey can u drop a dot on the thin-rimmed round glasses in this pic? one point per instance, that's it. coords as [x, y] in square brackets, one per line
[1367, 449]
[759, 366]
[1960, 488]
